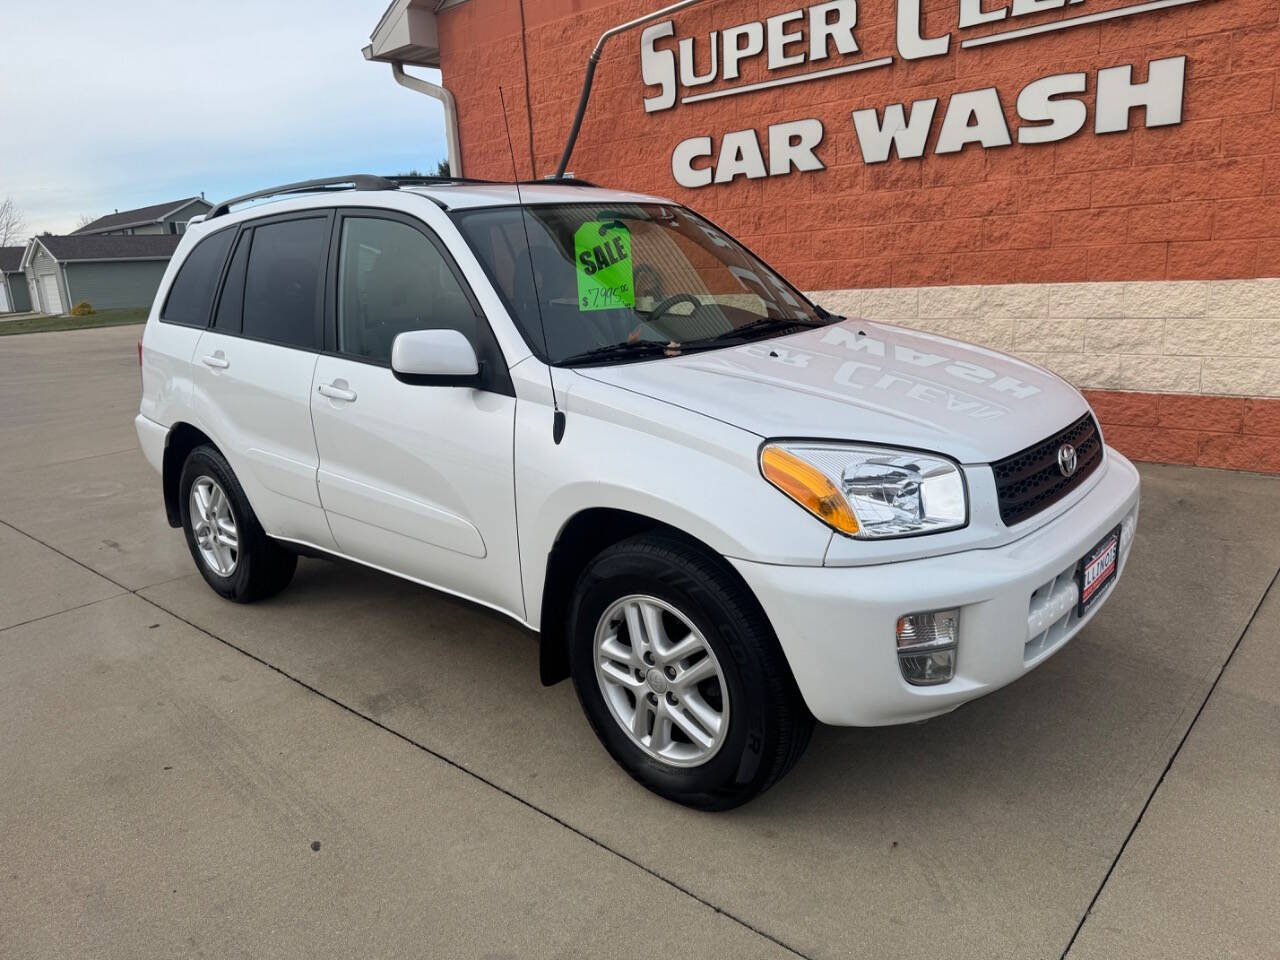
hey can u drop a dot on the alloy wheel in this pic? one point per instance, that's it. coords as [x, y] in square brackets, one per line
[214, 525]
[661, 680]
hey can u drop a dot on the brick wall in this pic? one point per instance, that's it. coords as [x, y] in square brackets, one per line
[1240, 433]
[1199, 337]
[1112, 259]
[1196, 201]
[1178, 372]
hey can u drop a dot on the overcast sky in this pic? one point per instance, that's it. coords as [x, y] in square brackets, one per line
[114, 105]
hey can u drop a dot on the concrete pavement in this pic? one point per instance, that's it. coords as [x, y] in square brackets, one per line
[461, 809]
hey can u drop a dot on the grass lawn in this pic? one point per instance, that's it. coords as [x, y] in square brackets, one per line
[103, 318]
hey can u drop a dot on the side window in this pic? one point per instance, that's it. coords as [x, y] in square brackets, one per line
[282, 282]
[191, 297]
[391, 279]
[231, 303]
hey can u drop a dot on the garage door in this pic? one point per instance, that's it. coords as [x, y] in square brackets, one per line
[4, 299]
[49, 299]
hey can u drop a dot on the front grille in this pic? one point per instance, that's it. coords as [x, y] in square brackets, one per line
[1030, 481]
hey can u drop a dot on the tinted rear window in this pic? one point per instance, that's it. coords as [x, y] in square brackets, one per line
[191, 296]
[282, 282]
[227, 319]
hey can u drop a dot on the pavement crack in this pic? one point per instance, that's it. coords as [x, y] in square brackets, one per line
[455, 764]
[1169, 765]
[57, 613]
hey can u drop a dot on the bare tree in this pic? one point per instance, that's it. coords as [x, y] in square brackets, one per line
[13, 225]
[85, 220]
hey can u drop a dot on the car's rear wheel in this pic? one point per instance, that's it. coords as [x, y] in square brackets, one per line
[231, 550]
[681, 676]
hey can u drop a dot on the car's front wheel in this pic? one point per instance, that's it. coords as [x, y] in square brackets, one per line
[681, 676]
[231, 550]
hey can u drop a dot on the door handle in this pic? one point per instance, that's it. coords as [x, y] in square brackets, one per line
[337, 391]
[216, 360]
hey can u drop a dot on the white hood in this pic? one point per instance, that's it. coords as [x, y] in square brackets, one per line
[865, 381]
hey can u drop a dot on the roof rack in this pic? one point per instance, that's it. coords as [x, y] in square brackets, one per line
[568, 180]
[355, 181]
[366, 181]
[425, 180]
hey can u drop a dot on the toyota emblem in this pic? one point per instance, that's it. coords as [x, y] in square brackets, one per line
[1067, 460]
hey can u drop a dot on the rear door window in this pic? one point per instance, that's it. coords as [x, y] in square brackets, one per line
[231, 303]
[282, 284]
[190, 299]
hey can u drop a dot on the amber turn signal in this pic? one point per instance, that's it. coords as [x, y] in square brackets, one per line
[809, 487]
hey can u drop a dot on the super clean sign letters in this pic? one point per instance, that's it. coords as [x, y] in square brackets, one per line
[686, 70]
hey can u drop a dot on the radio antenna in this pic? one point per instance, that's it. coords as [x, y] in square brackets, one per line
[557, 416]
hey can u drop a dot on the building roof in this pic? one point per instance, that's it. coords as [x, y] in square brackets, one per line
[139, 217]
[11, 259]
[407, 33]
[68, 249]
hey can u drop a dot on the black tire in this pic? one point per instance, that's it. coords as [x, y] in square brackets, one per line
[769, 724]
[262, 566]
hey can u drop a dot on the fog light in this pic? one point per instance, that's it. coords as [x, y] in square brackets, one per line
[927, 646]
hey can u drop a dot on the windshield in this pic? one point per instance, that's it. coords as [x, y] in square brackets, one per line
[611, 283]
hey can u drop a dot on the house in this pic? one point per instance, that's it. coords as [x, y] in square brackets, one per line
[114, 262]
[106, 270]
[14, 297]
[170, 218]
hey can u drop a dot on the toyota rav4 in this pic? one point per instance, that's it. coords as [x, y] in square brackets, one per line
[728, 512]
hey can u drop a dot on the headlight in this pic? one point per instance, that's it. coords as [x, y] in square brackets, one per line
[869, 492]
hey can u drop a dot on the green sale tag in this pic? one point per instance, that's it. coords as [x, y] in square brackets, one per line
[602, 249]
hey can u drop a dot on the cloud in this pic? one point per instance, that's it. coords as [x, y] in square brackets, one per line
[137, 102]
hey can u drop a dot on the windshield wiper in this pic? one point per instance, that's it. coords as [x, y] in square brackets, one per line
[639, 349]
[759, 325]
[628, 350]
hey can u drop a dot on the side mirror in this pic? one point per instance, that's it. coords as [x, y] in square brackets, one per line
[441, 357]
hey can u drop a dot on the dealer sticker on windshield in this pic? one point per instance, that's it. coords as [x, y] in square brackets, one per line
[1097, 569]
[602, 252]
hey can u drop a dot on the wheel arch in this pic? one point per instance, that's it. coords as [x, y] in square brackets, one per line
[182, 439]
[584, 535]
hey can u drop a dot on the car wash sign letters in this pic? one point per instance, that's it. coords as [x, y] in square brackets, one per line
[824, 38]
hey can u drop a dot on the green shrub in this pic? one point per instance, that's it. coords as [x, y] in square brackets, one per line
[82, 309]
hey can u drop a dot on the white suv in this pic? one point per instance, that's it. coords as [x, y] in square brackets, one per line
[727, 511]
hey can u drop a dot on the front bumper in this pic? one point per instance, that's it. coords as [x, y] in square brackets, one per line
[837, 624]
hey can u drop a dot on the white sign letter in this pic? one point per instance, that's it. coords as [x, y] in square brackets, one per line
[1047, 119]
[1161, 95]
[972, 14]
[840, 29]
[734, 52]
[779, 40]
[982, 107]
[688, 62]
[658, 67]
[792, 145]
[682, 159]
[908, 136]
[740, 156]
[911, 45]
[1023, 7]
